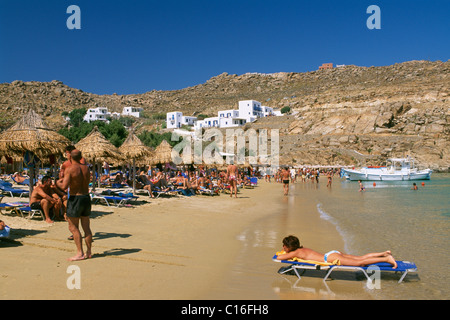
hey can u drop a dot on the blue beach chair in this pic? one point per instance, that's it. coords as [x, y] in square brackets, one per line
[13, 191]
[404, 267]
[26, 182]
[31, 212]
[117, 200]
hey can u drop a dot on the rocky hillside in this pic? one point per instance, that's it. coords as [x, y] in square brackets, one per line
[346, 115]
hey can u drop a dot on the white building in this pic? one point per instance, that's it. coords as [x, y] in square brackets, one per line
[188, 121]
[250, 110]
[176, 120]
[173, 119]
[99, 113]
[230, 118]
[132, 111]
[267, 111]
[229, 114]
[231, 122]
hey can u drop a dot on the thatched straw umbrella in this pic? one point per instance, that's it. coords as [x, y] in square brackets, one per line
[163, 153]
[95, 148]
[133, 148]
[31, 135]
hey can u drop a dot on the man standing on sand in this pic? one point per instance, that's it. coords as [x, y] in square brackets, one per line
[76, 177]
[285, 180]
[232, 175]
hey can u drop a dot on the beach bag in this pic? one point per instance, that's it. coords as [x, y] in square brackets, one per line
[5, 232]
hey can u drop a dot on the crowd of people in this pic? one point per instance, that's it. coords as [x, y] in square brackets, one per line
[188, 181]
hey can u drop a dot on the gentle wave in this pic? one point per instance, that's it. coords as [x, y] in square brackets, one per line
[325, 216]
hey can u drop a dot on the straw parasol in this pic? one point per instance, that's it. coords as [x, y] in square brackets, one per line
[163, 153]
[95, 148]
[32, 136]
[133, 148]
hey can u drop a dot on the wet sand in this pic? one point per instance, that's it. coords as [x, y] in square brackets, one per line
[178, 248]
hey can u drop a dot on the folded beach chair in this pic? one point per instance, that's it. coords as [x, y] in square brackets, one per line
[13, 191]
[404, 267]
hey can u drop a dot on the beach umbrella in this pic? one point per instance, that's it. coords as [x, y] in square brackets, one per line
[96, 148]
[30, 137]
[134, 149]
[163, 153]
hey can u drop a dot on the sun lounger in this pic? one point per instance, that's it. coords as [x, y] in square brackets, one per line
[208, 192]
[5, 183]
[4, 206]
[13, 191]
[31, 212]
[404, 267]
[173, 193]
[26, 182]
[118, 201]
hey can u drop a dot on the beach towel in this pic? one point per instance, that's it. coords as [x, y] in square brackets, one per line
[320, 263]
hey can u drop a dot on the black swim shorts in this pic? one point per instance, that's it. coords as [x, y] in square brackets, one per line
[286, 181]
[36, 206]
[79, 206]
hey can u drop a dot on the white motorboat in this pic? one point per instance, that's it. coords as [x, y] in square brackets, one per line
[396, 169]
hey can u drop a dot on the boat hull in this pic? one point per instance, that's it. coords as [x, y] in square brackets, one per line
[384, 176]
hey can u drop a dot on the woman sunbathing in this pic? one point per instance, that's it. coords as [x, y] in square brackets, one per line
[293, 249]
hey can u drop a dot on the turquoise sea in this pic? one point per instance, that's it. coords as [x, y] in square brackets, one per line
[413, 224]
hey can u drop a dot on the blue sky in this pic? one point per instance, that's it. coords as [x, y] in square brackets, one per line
[136, 46]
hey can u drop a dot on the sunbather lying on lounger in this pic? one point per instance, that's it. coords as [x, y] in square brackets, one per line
[293, 249]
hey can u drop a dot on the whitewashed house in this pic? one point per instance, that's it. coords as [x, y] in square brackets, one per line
[267, 111]
[212, 122]
[250, 110]
[173, 119]
[188, 121]
[132, 111]
[176, 120]
[230, 118]
[100, 113]
[231, 122]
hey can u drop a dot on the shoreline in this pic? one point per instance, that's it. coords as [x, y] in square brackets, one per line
[170, 249]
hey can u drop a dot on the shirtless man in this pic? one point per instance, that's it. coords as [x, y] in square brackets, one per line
[76, 177]
[232, 175]
[293, 249]
[285, 179]
[43, 198]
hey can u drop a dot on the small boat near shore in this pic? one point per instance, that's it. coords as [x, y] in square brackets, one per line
[396, 169]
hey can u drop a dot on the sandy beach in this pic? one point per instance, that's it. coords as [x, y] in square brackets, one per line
[175, 248]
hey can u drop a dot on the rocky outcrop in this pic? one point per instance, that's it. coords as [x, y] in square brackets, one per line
[347, 115]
